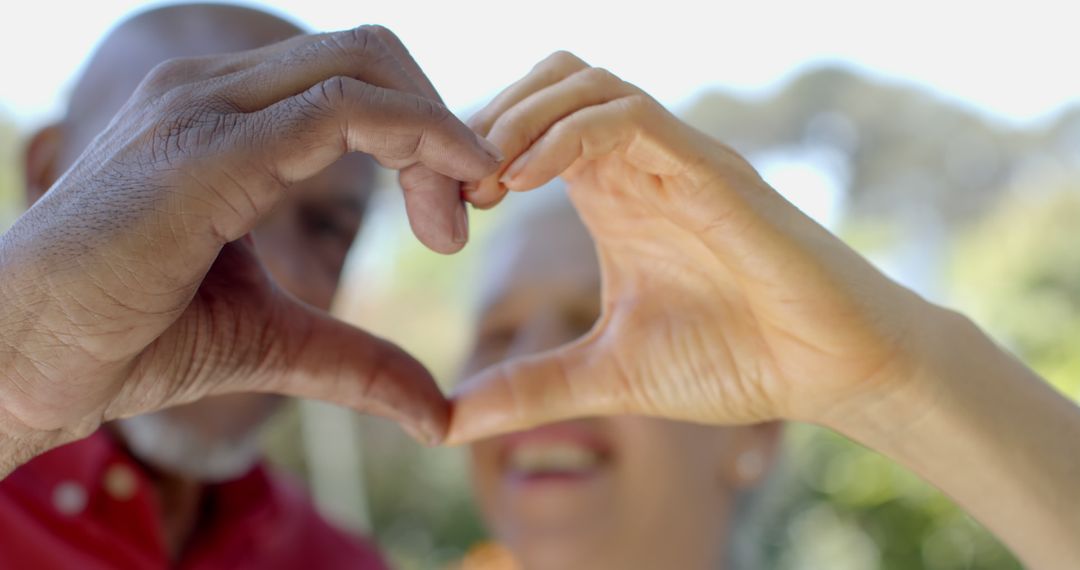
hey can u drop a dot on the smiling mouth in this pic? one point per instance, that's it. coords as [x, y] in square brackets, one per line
[552, 461]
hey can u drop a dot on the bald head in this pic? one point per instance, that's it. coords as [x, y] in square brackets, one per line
[542, 245]
[143, 41]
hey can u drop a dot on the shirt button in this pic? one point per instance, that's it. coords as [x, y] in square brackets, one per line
[120, 482]
[69, 498]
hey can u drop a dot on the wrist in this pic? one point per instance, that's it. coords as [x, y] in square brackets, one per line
[917, 385]
[19, 442]
[976, 423]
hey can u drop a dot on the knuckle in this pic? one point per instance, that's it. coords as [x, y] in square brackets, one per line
[332, 91]
[563, 59]
[434, 111]
[599, 76]
[639, 106]
[358, 44]
[564, 129]
[360, 39]
[377, 30]
[216, 66]
[325, 96]
[404, 149]
[515, 124]
[190, 126]
[172, 73]
[558, 65]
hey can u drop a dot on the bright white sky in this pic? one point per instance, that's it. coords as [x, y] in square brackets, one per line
[1012, 60]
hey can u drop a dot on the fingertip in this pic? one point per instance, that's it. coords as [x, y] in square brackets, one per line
[480, 407]
[339, 363]
[485, 194]
[467, 426]
[435, 235]
[489, 158]
[410, 397]
[440, 245]
[523, 183]
[437, 216]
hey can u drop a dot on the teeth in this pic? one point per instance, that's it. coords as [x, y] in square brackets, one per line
[553, 458]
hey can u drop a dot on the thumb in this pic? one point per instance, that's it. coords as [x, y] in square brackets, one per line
[569, 382]
[326, 359]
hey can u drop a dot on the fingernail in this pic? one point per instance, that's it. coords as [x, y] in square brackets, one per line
[461, 224]
[490, 148]
[515, 168]
[469, 188]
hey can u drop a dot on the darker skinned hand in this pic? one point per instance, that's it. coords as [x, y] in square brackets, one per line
[131, 285]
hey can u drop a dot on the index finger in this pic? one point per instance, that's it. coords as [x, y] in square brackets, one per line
[433, 201]
[271, 74]
[553, 69]
[375, 56]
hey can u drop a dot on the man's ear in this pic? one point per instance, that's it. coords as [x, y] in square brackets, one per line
[750, 454]
[41, 164]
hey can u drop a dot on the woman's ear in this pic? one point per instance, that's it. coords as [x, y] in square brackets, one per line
[41, 164]
[751, 453]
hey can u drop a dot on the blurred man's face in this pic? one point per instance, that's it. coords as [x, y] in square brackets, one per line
[621, 492]
[303, 244]
[305, 241]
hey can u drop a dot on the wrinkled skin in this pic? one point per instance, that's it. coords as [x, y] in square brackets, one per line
[136, 287]
[722, 303]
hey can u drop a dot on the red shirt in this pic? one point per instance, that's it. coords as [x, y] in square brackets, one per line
[88, 506]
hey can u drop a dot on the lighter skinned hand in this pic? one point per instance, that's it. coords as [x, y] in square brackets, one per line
[131, 285]
[722, 302]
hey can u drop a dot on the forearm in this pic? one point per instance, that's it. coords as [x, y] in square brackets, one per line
[990, 433]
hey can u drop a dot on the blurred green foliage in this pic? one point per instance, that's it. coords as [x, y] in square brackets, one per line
[835, 504]
[1017, 272]
[11, 198]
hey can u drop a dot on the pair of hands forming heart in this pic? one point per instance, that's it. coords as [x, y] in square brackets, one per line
[128, 288]
[722, 303]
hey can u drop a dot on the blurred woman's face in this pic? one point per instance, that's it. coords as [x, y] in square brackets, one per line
[621, 492]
